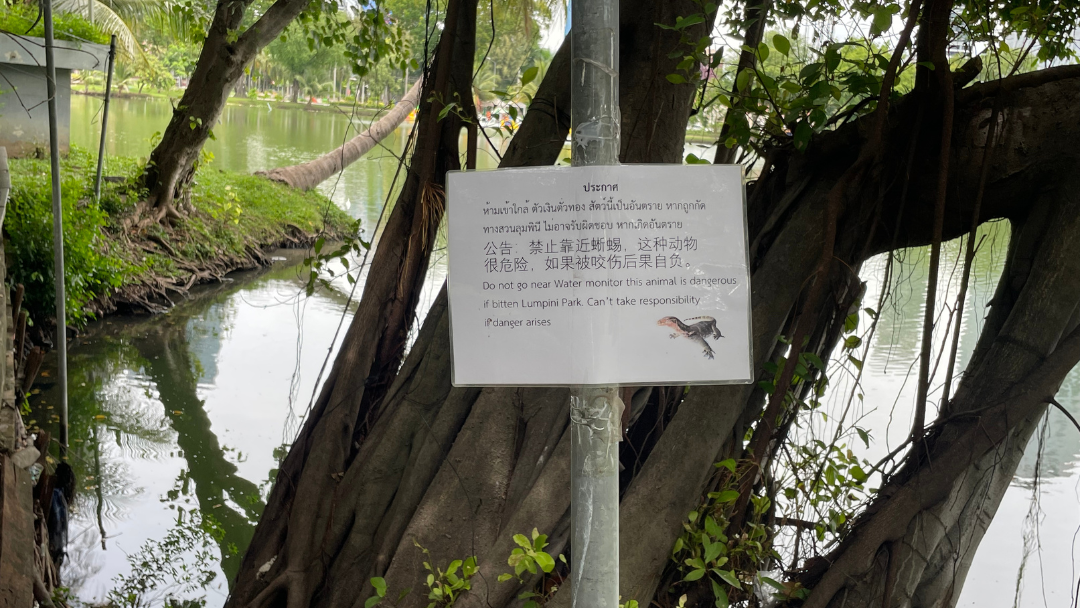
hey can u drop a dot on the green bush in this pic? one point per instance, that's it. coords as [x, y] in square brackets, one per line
[233, 214]
[91, 268]
[18, 17]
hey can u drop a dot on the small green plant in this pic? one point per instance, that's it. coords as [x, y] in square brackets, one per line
[444, 586]
[704, 550]
[528, 556]
[227, 209]
[379, 584]
[92, 266]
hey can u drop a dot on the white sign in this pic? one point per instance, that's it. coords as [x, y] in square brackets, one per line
[633, 274]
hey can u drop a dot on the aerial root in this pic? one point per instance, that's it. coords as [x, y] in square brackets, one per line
[291, 581]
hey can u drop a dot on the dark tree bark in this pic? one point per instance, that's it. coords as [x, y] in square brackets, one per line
[310, 515]
[461, 470]
[225, 54]
[314, 172]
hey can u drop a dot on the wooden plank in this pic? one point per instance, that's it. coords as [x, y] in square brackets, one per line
[16, 537]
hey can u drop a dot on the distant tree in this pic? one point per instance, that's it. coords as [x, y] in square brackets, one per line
[237, 33]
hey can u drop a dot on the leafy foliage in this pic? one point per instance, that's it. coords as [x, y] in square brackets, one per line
[164, 571]
[22, 19]
[91, 266]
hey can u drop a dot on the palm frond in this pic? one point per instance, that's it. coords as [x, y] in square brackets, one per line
[103, 16]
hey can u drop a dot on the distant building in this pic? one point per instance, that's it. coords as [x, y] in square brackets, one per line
[24, 110]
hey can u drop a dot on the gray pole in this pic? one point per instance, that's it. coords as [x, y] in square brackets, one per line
[58, 225]
[595, 412]
[5, 187]
[104, 118]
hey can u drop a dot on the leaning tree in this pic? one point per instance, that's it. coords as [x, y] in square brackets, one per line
[238, 30]
[396, 473]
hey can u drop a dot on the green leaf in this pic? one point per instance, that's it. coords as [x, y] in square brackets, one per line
[852, 342]
[742, 80]
[803, 132]
[728, 463]
[379, 583]
[763, 51]
[545, 561]
[675, 79]
[505, 577]
[712, 551]
[678, 546]
[371, 601]
[727, 496]
[692, 516]
[882, 21]
[864, 436]
[685, 22]
[694, 575]
[729, 578]
[720, 595]
[814, 360]
[832, 58]
[782, 44]
[713, 528]
[773, 583]
[529, 75]
[809, 70]
[319, 242]
[851, 322]
[858, 474]
[692, 159]
[522, 541]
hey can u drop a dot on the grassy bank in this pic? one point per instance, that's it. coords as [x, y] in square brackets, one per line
[338, 107]
[112, 262]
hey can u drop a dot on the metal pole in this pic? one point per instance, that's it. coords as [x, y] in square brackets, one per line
[595, 411]
[58, 225]
[104, 118]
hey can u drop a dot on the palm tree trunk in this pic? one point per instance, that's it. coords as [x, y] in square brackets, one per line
[312, 173]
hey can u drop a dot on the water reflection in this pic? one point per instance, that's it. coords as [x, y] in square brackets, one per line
[888, 387]
[175, 421]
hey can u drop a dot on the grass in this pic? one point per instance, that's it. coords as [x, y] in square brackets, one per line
[230, 219]
[348, 107]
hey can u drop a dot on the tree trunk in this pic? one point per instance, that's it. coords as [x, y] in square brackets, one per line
[922, 531]
[320, 467]
[221, 64]
[314, 172]
[461, 470]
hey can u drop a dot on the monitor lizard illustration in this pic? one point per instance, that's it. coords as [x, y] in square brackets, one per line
[705, 327]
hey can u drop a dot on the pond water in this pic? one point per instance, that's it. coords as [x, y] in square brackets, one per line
[177, 420]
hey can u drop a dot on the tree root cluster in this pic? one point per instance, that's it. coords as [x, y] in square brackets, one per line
[153, 292]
